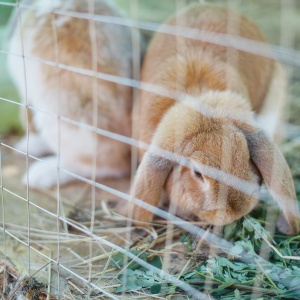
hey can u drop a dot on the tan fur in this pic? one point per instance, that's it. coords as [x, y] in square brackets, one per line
[92, 47]
[228, 83]
[77, 52]
[186, 64]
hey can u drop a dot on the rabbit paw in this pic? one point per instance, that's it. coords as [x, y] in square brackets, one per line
[44, 174]
[283, 226]
[35, 145]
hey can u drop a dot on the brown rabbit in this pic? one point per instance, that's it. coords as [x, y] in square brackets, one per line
[62, 96]
[213, 126]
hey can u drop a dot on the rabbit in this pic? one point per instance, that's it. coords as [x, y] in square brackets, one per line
[207, 152]
[58, 83]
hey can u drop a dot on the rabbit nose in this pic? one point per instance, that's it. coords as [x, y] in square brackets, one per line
[217, 199]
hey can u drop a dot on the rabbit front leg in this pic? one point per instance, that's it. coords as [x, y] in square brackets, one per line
[150, 179]
[34, 145]
[270, 116]
[45, 174]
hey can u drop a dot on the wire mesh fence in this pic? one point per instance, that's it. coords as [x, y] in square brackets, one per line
[65, 230]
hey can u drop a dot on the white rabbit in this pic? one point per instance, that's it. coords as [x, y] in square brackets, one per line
[228, 155]
[53, 42]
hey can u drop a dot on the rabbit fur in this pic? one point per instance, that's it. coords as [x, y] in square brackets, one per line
[58, 96]
[223, 153]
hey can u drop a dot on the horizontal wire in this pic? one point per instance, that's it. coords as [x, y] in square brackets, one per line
[290, 130]
[26, 200]
[248, 188]
[241, 185]
[170, 278]
[134, 83]
[228, 179]
[104, 76]
[8, 4]
[286, 55]
[211, 238]
[173, 279]
[21, 152]
[185, 225]
[6, 231]
[62, 266]
[194, 230]
[217, 174]
[13, 102]
[163, 214]
[221, 243]
[192, 101]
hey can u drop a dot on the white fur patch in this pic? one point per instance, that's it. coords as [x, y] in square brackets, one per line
[268, 122]
[221, 104]
[61, 20]
[45, 174]
[34, 145]
[270, 116]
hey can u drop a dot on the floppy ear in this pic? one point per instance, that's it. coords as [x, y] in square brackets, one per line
[149, 182]
[277, 176]
[157, 163]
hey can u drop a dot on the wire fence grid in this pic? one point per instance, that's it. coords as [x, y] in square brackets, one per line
[67, 242]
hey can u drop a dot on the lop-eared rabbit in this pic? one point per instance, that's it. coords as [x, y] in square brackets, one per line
[65, 48]
[206, 149]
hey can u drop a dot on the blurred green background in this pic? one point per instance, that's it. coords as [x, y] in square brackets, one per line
[9, 118]
[278, 19]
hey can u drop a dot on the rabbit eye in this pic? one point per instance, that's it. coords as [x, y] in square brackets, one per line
[198, 174]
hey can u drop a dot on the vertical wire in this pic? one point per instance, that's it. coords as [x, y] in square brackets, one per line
[172, 201]
[3, 207]
[94, 61]
[214, 229]
[232, 60]
[271, 217]
[136, 67]
[58, 154]
[179, 5]
[27, 132]
[136, 42]
[3, 213]
[287, 38]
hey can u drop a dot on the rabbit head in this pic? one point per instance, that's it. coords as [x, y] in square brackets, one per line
[212, 167]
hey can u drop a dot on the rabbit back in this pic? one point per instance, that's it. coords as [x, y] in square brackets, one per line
[69, 80]
[219, 67]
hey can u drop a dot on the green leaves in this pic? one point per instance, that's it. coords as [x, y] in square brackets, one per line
[119, 260]
[229, 277]
[136, 280]
[134, 277]
[155, 288]
[235, 275]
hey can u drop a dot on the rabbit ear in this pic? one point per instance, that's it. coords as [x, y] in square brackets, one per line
[149, 182]
[277, 176]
